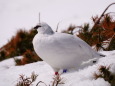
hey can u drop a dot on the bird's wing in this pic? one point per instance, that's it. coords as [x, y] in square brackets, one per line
[72, 44]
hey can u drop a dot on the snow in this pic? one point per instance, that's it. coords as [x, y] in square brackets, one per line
[9, 73]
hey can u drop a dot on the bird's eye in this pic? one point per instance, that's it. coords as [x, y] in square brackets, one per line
[36, 27]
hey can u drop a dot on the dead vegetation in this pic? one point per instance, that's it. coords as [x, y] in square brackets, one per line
[102, 33]
[104, 72]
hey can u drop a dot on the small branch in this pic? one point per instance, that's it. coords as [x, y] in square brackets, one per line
[40, 82]
[57, 26]
[111, 41]
[109, 13]
[57, 80]
[39, 17]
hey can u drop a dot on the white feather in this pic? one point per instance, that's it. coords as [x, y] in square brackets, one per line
[61, 50]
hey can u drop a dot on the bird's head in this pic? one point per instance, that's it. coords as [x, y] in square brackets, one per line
[43, 28]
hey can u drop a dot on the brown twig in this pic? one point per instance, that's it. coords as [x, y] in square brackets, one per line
[40, 82]
[39, 17]
[57, 80]
[57, 27]
[111, 41]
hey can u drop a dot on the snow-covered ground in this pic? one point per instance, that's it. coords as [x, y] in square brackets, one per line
[9, 73]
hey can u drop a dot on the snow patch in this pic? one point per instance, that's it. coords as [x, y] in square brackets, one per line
[9, 73]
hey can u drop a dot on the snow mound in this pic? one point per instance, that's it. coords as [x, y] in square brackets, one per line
[9, 73]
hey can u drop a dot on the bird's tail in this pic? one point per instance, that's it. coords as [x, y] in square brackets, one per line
[101, 55]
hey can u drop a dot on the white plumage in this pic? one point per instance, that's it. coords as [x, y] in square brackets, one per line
[61, 50]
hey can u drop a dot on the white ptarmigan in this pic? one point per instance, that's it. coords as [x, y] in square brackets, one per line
[61, 50]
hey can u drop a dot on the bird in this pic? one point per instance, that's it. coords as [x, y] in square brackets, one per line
[62, 50]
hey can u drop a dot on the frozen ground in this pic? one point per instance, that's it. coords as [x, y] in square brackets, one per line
[9, 73]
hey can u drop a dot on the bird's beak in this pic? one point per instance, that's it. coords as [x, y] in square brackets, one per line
[36, 27]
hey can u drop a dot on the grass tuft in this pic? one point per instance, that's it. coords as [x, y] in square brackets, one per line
[106, 75]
